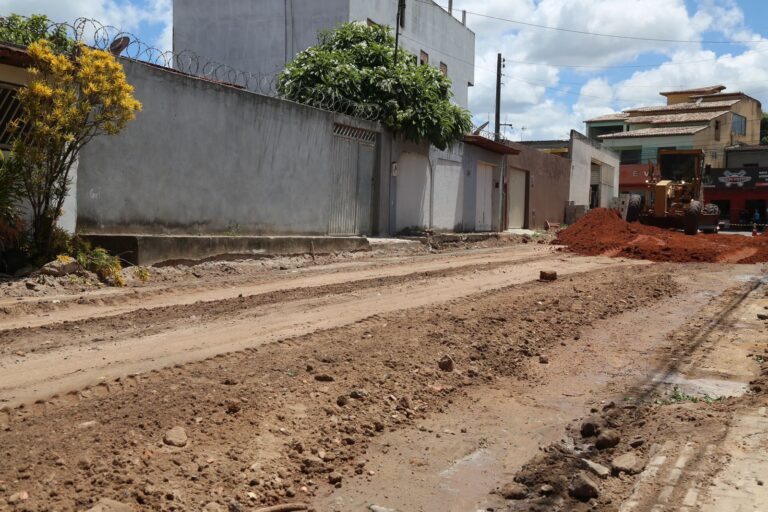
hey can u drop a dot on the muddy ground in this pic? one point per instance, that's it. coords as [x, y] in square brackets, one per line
[431, 382]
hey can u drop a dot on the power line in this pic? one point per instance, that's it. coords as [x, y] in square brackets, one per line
[596, 34]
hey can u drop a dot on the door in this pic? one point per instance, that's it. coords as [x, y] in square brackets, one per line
[343, 214]
[516, 190]
[484, 201]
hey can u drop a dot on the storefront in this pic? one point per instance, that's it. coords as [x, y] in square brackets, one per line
[741, 194]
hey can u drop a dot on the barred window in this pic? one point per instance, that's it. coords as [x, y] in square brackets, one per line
[10, 109]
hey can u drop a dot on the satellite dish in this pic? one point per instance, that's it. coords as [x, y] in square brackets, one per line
[119, 45]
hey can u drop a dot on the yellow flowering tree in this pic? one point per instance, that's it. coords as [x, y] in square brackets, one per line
[71, 98]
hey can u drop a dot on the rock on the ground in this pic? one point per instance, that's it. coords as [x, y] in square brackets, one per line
[514, 491]
[213, 507]
[445, 363]
[334, 478]
[762, 316]
[177, 437]
[590, 427]
[376, 508]
[61, 267]
[628, 463]
[107, 505]
[322, 377]
[597, 469]
[18, 497]
[607, 439]
[583, 487]
[547, 275]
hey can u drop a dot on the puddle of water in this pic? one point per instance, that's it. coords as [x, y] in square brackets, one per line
[704, 386]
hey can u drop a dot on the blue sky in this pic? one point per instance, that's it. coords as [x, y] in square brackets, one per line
[542, 96]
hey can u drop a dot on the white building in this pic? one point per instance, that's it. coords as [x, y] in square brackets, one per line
[262, 36]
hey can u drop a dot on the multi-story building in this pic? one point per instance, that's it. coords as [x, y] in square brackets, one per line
[706, 118]
[262, 36]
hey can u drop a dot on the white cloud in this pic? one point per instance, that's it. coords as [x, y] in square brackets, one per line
[537, 92]
[125, 15]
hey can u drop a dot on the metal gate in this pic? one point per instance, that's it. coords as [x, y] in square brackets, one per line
[353, 165]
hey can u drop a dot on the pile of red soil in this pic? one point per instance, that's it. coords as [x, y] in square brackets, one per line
[603, 232]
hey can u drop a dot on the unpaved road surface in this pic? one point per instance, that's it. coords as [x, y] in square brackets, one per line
[413, 383]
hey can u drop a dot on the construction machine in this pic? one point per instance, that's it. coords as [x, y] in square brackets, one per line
[674, 197]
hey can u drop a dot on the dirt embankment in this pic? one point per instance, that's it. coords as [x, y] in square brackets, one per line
[285, 422]
[603, 232]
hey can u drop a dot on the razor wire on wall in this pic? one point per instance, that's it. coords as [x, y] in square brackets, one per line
[92, 33]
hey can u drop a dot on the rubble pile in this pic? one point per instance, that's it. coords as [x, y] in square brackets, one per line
[602, 232]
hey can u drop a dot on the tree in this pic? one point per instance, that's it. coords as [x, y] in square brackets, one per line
[71, 98]
[24, 31]
[764, 129]
[354, 65]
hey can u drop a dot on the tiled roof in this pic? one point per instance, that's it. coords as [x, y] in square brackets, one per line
[688, 117]
[711, 88]
[655, 132]
[616, 116]
[704, 105]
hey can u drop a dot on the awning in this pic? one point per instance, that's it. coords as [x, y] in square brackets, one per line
[13, 55]
[490, 145]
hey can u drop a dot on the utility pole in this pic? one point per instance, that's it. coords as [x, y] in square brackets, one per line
[499, 67]
[398, 23]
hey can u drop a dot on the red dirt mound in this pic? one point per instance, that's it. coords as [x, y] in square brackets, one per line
[603, 232]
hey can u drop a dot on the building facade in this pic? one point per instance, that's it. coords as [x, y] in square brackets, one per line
[740, 189]
[262, 36]
[708, 119]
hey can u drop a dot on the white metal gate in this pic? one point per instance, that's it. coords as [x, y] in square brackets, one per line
[354, 161]
[484, 200]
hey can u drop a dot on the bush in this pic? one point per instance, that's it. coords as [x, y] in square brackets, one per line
[97, 260]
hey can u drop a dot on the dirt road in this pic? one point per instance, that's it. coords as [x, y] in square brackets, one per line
[416, 383]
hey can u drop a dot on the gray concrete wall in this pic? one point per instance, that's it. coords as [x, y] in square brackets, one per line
[204, 158]
[548, 184]
[261, 36]
[257, 36]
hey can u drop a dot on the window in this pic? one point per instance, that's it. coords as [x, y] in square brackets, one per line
[444, 68]
[10, 109]
[717, 130]
[630, 156]
[739, 125]
[402, 13]
[423, 58]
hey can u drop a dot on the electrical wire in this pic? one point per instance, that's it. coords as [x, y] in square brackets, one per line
[596, 34]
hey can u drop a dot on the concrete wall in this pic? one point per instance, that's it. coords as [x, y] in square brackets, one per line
[261, 36]
[203, 158]
[548, 184]
[585, 152]
[474, 155]
[257, 36]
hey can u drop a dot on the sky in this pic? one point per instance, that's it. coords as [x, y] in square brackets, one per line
[553, 79]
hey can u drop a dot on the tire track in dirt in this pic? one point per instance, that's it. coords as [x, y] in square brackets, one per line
[110, 302]
[148, 321]
[266, 425]
[37, 376]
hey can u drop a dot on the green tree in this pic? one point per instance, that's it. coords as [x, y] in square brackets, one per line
[764, 129]
[70, 99]
[10, 189]
[24, 31]
[354, 65]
